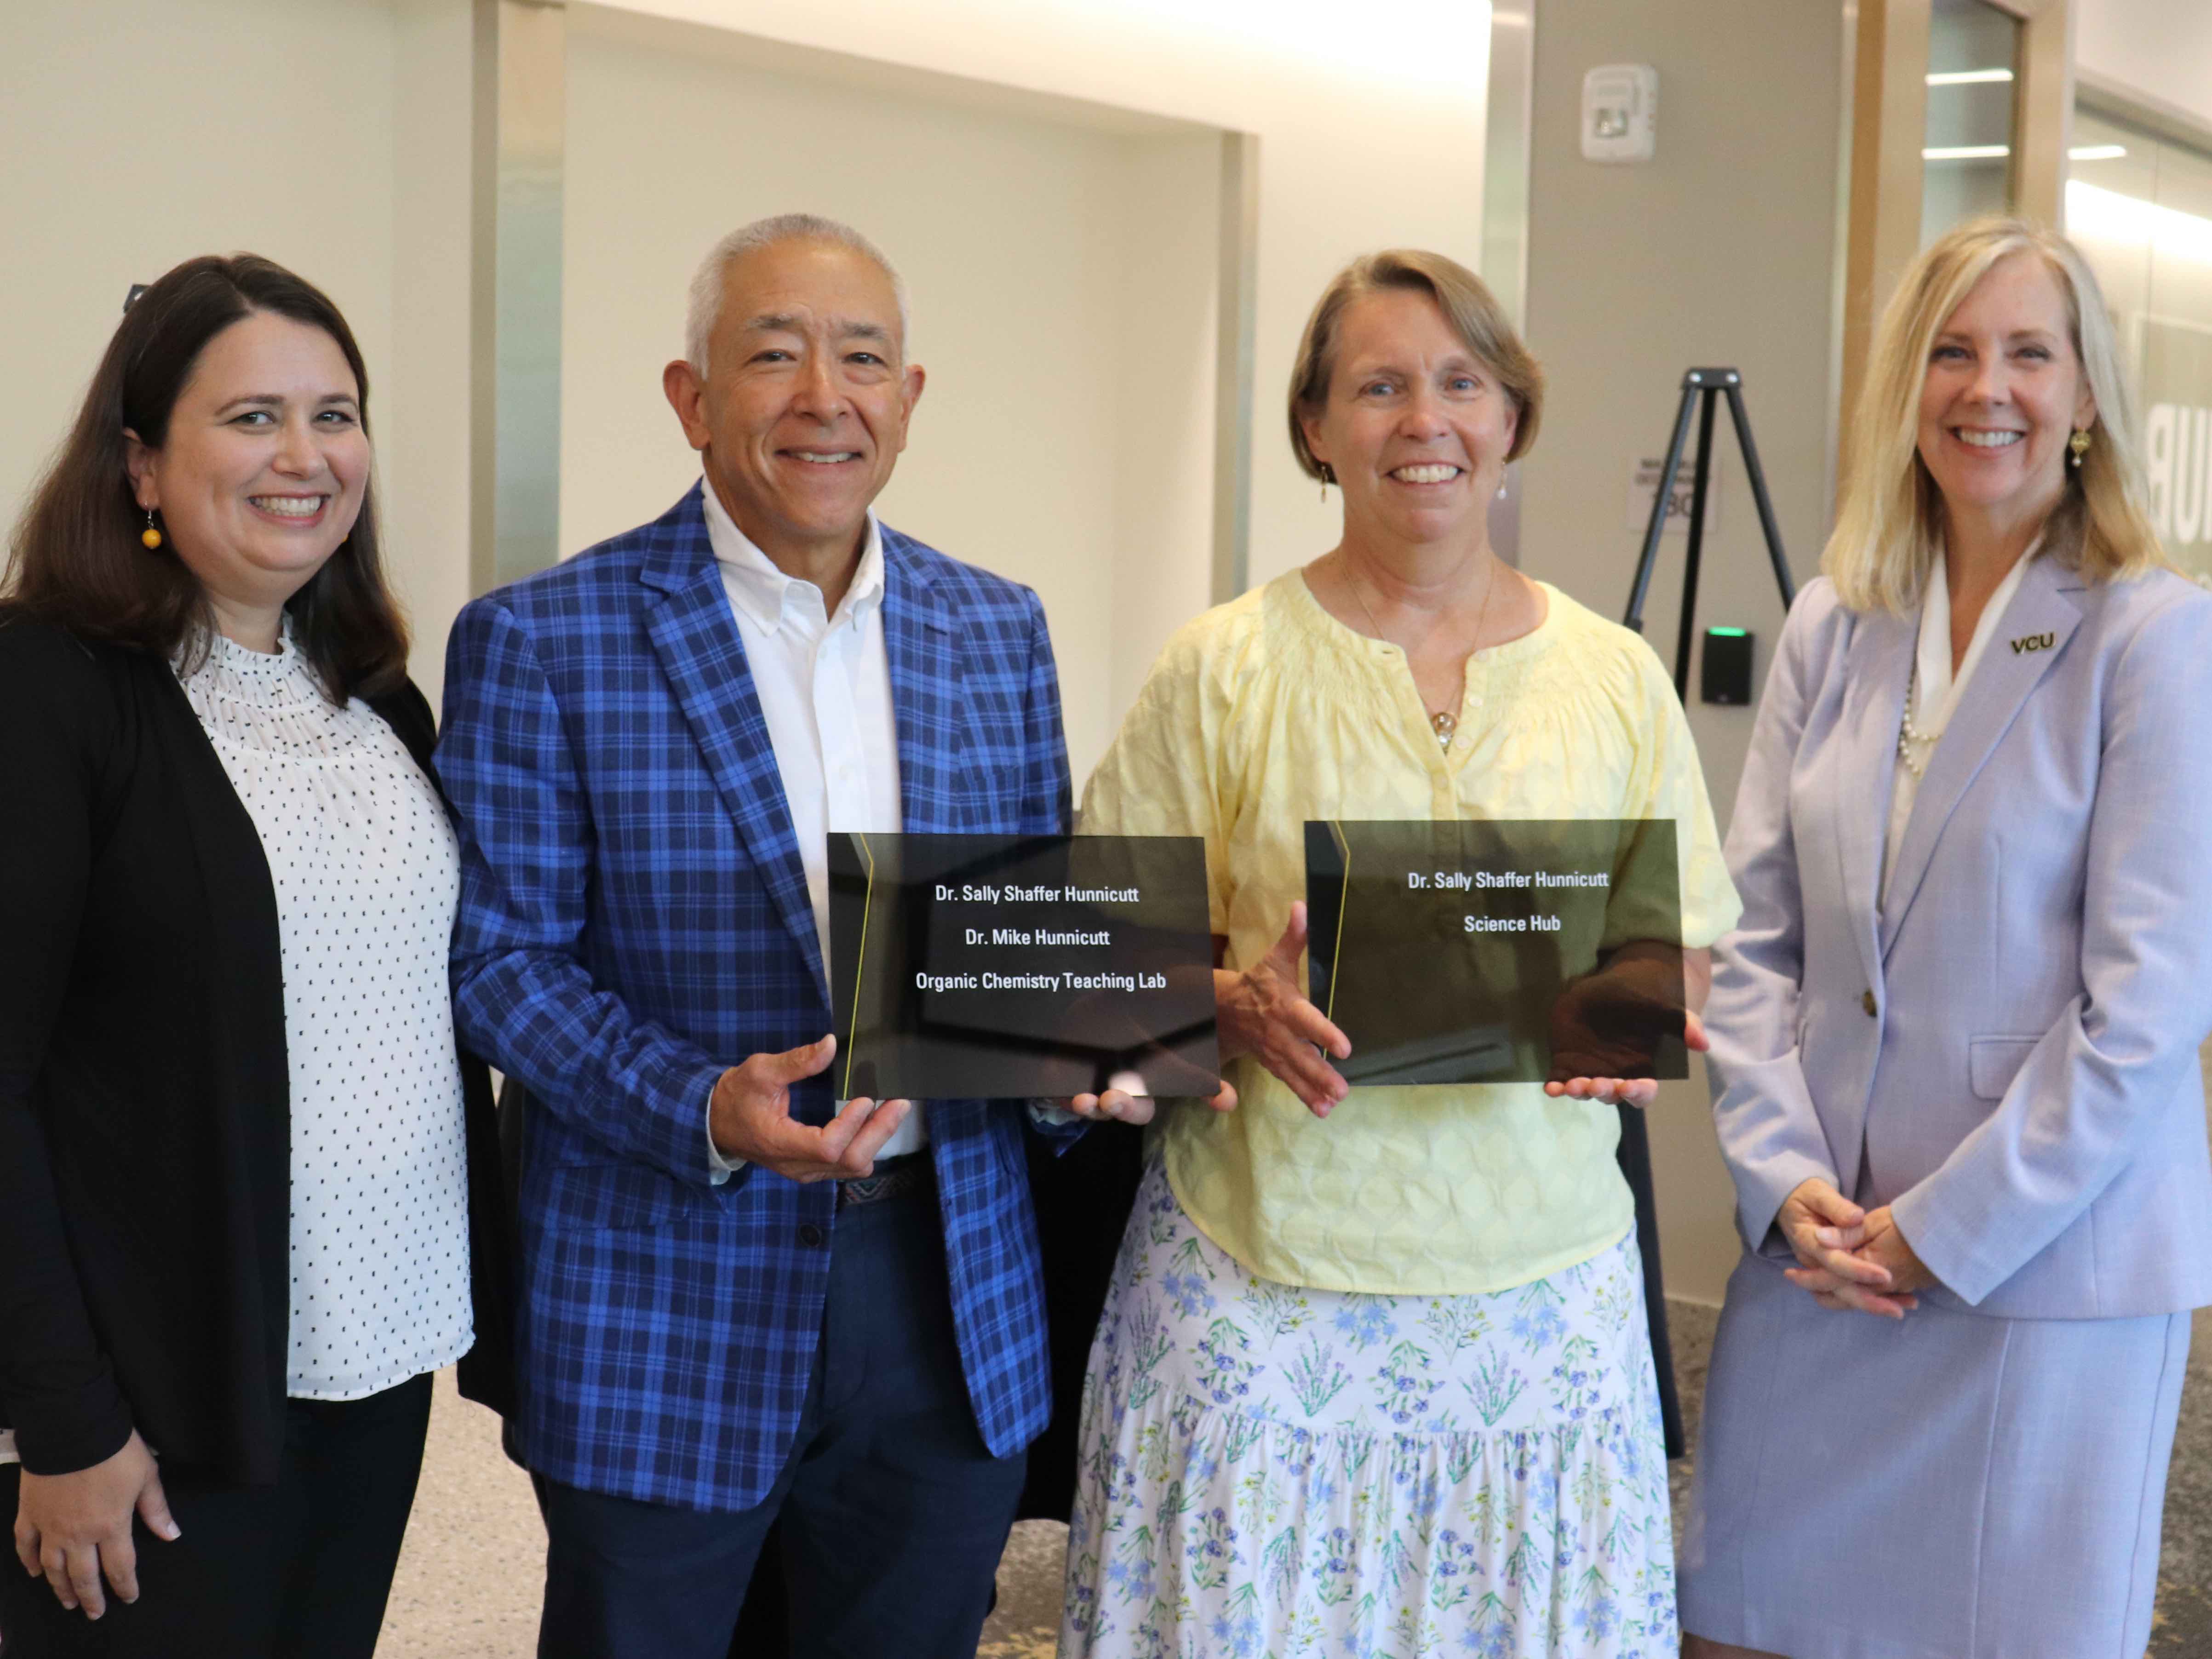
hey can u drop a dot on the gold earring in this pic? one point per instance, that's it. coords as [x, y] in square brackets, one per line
[2079, 444]
[150, 536]
[1328, 478]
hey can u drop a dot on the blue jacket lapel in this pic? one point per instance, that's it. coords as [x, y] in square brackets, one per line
[696, 639]
[926, 693]
[2042, 612]
[1878, 663]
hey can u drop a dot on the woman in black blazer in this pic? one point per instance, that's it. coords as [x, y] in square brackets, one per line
[248, 1186]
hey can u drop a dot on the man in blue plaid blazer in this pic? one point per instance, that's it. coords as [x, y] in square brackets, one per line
[730, 1313]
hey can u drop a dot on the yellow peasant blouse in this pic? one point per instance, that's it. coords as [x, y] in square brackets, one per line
[1266, 712]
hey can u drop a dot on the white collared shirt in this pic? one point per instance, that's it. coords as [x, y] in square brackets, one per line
[824, 685]
[1938, 691]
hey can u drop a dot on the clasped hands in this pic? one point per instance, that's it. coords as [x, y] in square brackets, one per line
[749, 1117]
[1849, 1256]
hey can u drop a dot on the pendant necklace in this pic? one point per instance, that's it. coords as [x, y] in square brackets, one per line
[1443, 722]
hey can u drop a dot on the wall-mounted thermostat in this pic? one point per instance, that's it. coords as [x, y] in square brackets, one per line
[1620, 113]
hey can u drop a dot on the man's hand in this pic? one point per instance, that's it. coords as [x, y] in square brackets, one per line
[750, 1118]
[75, 1528]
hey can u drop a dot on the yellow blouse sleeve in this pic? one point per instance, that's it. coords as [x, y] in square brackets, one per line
[1162, 775]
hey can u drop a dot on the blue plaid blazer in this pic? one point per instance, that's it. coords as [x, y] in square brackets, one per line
[633, 919]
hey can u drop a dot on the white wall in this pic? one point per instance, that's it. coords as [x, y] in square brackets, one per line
[138, 133]
[424, 435]
[1164, 400]
[1069, 349]
[345, 154]
[331, 135]
[2159, 50]
[1369, 136]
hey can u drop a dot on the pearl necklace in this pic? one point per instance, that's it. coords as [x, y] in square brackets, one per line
[1914, 746]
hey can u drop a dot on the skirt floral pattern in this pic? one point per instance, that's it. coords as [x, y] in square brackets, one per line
[1271, 1471]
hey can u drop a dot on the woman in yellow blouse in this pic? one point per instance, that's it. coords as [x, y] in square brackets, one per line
[1374, 1374]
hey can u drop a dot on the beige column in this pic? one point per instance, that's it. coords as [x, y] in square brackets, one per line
[1889, 118]
[2042, 107]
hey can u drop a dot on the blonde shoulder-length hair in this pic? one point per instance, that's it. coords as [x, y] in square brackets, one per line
[1889, 522]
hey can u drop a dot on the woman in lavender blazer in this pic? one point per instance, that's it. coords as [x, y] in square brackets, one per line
[1954, 1040]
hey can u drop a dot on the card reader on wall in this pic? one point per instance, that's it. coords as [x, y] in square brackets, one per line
[1726, 675]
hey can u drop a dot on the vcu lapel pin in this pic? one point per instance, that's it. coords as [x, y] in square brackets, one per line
[2032, 642]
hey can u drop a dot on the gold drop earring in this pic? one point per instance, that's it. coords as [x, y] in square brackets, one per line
[2077, 446]
[150, 536]
[1328, 478]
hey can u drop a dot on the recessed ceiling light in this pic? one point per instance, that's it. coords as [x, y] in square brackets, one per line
[2096, 152]
[1968, 78]
[1966, 152]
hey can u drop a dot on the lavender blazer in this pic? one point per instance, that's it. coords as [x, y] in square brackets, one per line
[2007, 1053]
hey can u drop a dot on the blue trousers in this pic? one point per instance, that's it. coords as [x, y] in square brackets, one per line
[892, 1512]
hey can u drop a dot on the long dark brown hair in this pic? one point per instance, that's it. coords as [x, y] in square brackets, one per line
[77, 560]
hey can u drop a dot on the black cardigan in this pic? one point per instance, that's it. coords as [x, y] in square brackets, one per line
[144, 1117]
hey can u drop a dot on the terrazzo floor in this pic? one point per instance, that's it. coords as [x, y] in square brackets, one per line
[470, 1577]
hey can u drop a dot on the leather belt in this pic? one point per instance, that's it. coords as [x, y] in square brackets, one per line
[894, 1177]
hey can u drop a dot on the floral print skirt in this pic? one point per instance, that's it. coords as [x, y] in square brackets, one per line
[1270, 1471]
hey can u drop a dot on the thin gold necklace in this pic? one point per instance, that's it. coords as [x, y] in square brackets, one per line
[1443, 722]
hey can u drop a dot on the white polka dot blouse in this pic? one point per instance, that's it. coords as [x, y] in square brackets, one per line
[367, 875]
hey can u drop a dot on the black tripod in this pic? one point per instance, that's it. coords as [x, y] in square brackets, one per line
[1706, 384]
[1634, 1152]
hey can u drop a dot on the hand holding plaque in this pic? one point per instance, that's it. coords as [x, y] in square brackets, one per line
[749, 1116]
[1055, 966]
[1502, 950]
[1263, 1014]
[1608, 1025]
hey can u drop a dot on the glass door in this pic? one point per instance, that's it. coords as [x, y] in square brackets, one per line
[1958, 107]
[1965, 155]
[2139, 206]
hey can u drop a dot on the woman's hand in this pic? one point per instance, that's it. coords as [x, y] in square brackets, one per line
[1825, 1230]
[1262, 1012]
[1628, 1090]
[1608, 1025]
[75, 1528]
[1886, 1247]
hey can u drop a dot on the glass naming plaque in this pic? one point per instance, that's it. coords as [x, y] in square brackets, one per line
[1509, 950]
[1021, 966]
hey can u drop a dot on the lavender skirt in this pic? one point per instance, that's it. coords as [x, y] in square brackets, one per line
[1952, 1487]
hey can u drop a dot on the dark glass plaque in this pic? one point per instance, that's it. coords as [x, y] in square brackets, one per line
[1021, 966]
[1506, 951]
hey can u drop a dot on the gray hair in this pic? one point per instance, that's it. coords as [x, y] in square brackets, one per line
[708, 284]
